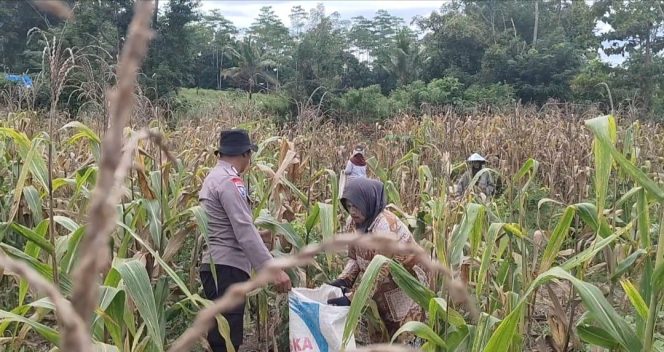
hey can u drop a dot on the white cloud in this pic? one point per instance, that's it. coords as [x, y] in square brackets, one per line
[243, 13]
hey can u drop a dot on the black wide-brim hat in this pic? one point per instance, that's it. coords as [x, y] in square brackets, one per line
[234, 142]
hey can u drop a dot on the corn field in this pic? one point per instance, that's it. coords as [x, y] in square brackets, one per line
[101, 229]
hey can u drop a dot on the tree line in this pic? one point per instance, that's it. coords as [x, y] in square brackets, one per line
[467, 53]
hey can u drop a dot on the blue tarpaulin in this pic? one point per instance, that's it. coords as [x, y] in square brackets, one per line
[23, 79]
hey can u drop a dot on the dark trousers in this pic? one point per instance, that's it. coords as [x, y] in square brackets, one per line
[226, 277]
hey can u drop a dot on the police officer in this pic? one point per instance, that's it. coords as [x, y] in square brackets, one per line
[234, 245]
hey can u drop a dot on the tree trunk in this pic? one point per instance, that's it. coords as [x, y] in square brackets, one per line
[646, 86]
[536, 22]
[493, 20]
[156, 13]
[251, 88]
[221, 68]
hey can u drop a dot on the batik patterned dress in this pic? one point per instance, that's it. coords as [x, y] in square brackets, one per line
[394, 306]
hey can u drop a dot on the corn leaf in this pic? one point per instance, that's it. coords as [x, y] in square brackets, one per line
[393, 195]
[20, 182]
[420, 330]
[379, 171]
[50, 334]
[603, 128]
[529, 168]
[419, 293]
[598, 126]
[482, 333]
[502, 338]
[494, 231]
[590, 252]
[335, 187]
[627, 263]
[266, 220]
[138, 287]
[588, 214]
[657, 280]
[361, 295]
[312, 218]
[556, 240]
[43, 269]
[85, 132]
[326, 220]
[593, 335]
[438, 308]
[599, 308]
[471, 228]
[31, 235]
[33, 250]
[33, 200]
[635, 298]
[36, 164]
[107, 297]
[300, 195]
[113, 319]
[69, 259]
[643, 216]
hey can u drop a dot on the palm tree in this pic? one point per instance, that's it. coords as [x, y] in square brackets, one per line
[252, 65]
[406, 59]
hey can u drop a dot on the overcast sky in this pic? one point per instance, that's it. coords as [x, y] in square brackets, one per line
[243, 13]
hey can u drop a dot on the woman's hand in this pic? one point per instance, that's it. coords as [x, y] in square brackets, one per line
[267, 237]
[342, 301]
[282, 282]
[410, 261]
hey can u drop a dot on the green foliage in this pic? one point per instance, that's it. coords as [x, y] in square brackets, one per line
[171, 59]
[253, 66]
[449, 91]
[636, 30]
[274, 105]
[494, 95]
[498, 51]
[445, 91]
[365, 103]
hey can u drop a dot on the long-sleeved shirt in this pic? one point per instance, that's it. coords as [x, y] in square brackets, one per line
[353, 170]
[394, 306]
[233, 237]
[484, 183]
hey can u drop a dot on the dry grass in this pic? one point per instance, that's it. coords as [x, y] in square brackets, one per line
[561, 144]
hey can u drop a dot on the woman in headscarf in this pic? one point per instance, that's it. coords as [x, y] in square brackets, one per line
[356, 165]
[365, 201]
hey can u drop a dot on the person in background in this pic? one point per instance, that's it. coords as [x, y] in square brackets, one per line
[356, 165]
[234, 246]
[365, 201]
[485, 182]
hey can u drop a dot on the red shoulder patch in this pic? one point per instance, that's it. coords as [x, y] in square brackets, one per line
[240, 186]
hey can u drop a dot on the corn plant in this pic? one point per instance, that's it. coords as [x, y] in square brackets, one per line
[553, 225]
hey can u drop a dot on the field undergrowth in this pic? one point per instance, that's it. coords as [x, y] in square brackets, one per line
[568, 252]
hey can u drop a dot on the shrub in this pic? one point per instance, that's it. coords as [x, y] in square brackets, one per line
[444, 91]
[366, 103]
[496, 94]
[276, 105]
[410, 97]
[438, 92]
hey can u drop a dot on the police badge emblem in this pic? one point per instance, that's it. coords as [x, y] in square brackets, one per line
[240, 186]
